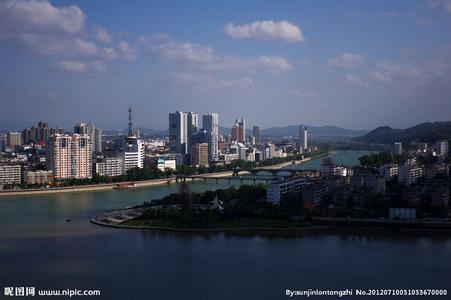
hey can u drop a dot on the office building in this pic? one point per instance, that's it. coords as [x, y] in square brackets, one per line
[239, 131]
[256, 134]
[199, 154]
[40, 133]
[441, 148]
[410, 174]
[397, 148]
[178, 132]
[303, 139]
[389, 171]
[2, 142]
[13, 139]
[69, 156]
[111, 166]
[10, 174]
[94, 133]
[192, 126]
[210, 122]
[132, 149]
[277, 190]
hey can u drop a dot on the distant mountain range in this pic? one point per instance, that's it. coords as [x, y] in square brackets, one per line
[428, 132]
[292, 130]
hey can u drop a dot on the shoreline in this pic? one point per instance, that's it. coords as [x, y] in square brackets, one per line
[306, 229]
[138, 184]
[99, 187]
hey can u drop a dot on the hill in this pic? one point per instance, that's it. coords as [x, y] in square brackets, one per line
[293, 130]
[428, 132]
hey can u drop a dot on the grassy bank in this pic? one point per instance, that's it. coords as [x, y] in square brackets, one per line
[252, 223]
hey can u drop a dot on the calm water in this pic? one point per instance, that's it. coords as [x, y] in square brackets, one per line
[38, 248]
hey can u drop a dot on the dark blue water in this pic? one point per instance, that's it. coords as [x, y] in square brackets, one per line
[38, 248]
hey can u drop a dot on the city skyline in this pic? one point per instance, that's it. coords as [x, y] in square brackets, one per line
[231, 61]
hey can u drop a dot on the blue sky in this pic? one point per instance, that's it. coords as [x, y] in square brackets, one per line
[354, 64]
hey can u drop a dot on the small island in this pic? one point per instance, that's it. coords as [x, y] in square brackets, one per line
[247, 209]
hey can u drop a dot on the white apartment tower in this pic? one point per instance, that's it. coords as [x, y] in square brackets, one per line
[69, 156]
[132, 148]
[303, 145]
[210, 122]
[94, 133]
[178, 132]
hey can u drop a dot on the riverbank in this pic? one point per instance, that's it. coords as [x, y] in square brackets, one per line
[130, 219]
[100, 186]
[137, 184]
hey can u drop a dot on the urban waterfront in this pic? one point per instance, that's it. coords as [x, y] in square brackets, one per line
[38, 247]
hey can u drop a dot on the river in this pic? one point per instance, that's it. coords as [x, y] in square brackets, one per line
[39, 248]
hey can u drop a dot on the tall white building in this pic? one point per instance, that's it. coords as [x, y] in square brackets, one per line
[303, 144]
[178, 132]
[210, 122]
[132, 148]
[94, 133]
[397, 148]
[69, 156]
[441, 147]
[409, 174]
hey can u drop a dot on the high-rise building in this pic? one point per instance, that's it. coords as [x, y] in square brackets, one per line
[303, 138]
[69, 156]
[178, 133]
[192, 124]
[95, 134]
[199, 154]
[441, 148]
[210, 122]
[2, 142]
[256, 134]
[132, 150]
[13, 139]
[40, 133]
[397, 148]
[239, 131]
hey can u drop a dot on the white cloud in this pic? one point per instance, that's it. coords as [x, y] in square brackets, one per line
[128, 53]
[300, 93]
[71, 66]
[346, 61]
[355, 79]
[103, 35]
[240, 83]
[39, 17]
[204, 58]
[78, 67]
[154, 38]
[57, 45]
[266, 31]
[387, 71]
[42, 28]
[110, 53]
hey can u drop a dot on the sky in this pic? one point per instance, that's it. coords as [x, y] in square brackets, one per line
[353, 64]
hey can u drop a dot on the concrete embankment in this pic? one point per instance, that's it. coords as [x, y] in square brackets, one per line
[82, 188]
[99, 187]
